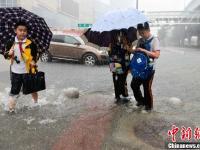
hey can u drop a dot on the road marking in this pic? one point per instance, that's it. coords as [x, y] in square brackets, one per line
[88, 131]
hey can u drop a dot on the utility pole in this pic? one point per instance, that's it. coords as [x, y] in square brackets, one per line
[184, 5]
[137, 4]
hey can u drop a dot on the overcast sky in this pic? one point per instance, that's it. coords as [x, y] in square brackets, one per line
[155, 5]
[163, 5]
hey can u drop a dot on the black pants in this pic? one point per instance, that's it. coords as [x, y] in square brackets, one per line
[16, 83]
[147, 99]
[120, 85]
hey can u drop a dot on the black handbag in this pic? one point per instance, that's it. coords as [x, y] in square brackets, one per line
[33, 82]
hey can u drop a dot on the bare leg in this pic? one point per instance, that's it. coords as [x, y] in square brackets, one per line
[35, 97]
[11, 103]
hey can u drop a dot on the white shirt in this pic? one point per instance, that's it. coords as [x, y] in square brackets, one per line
[21, 67]
[154, 45]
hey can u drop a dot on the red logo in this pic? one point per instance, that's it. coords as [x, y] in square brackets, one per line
[186, 134]
[197, 133]
[173, 133]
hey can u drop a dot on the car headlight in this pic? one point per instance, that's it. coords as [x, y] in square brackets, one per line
[103, 52]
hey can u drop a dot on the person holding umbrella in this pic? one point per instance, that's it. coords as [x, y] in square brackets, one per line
[23, 55]
[111, 23]
[23, 36]
[119, 65]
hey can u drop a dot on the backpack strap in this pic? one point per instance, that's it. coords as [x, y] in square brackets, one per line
[149, 41]
[147, 44]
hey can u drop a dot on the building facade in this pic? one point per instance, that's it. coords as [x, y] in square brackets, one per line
[8, 3]
[57, 13]
[66, 13]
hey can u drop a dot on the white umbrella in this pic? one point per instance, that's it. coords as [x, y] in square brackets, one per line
[119, 19]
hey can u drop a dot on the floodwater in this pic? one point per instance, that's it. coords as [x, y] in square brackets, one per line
[93, 121]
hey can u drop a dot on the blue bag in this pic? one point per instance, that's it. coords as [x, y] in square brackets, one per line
[140, 64]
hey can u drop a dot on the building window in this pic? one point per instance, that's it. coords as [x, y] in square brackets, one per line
[8, 3]
[69, 7]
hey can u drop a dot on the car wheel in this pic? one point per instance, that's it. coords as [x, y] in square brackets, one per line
[45, 57]
[89, 59]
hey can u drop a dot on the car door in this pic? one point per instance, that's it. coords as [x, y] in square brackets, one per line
[74, 47]
[58, 47]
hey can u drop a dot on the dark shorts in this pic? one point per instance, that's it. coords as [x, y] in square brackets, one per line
[16, 83]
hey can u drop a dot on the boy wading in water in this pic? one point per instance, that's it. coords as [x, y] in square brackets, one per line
[23, 55]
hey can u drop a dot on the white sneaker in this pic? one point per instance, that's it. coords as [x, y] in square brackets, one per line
[34, 104]
[144, 111]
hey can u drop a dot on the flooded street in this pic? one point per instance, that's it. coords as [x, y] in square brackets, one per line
[94, 121]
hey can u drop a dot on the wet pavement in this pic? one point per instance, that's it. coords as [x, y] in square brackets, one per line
[93, 121]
